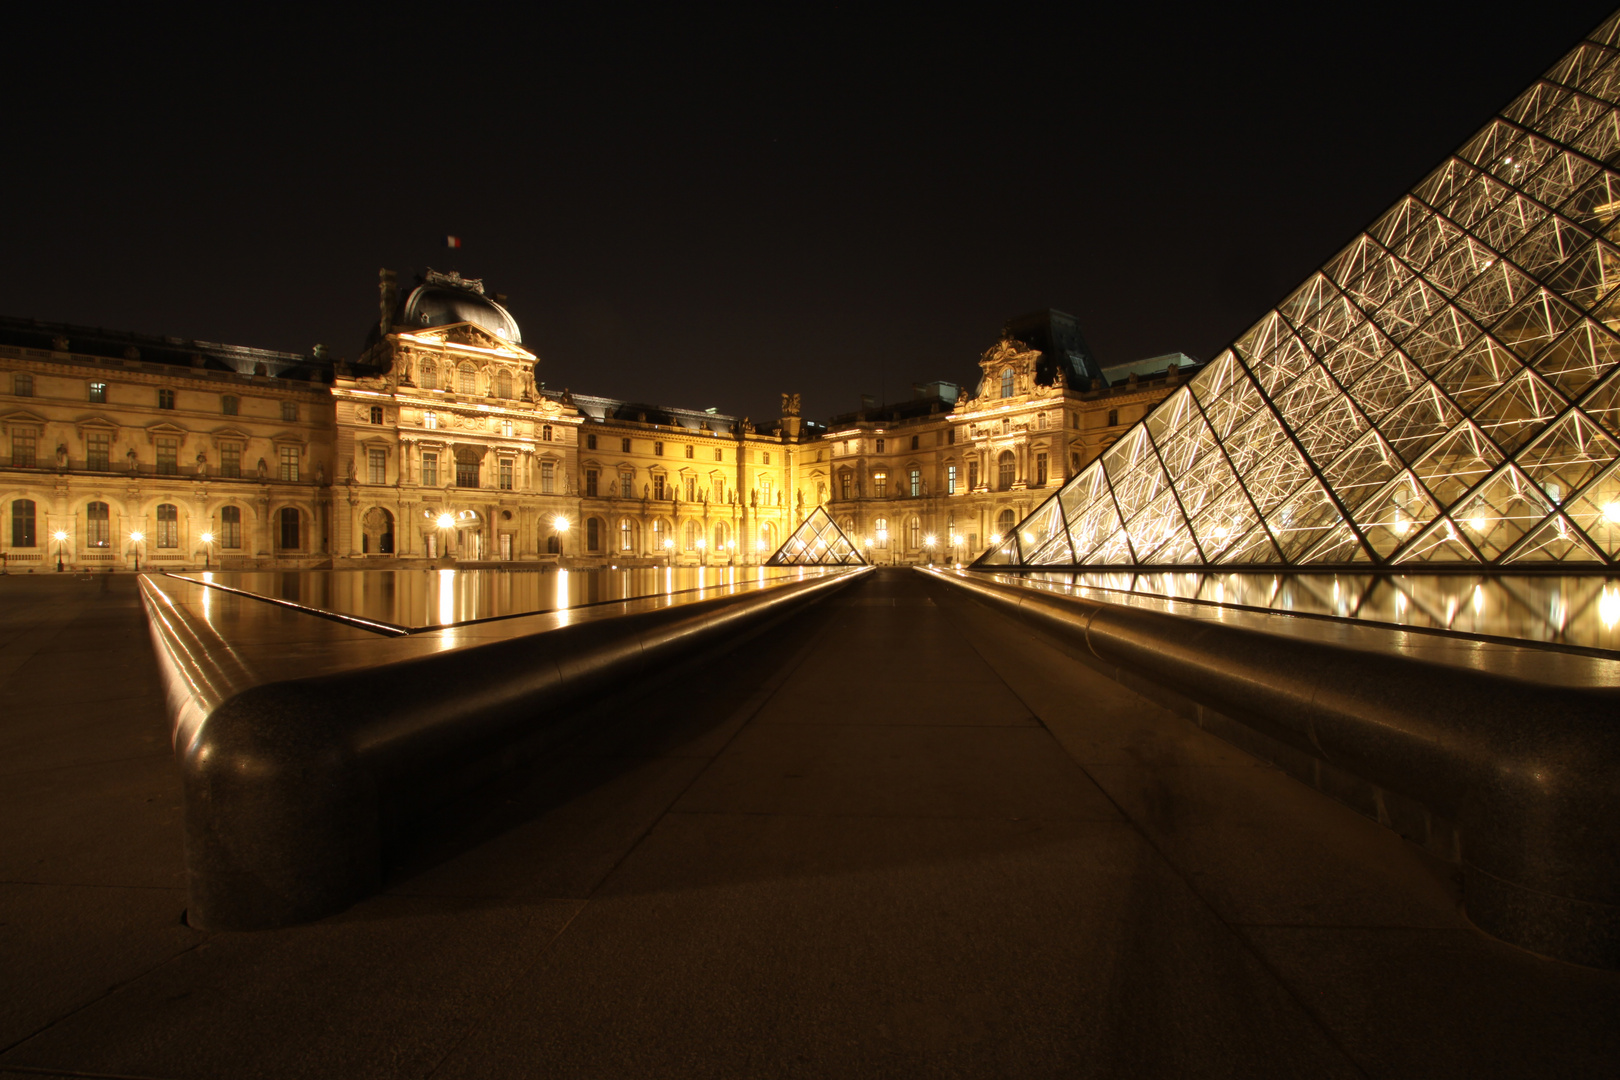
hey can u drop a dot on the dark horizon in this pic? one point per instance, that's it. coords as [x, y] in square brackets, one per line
[710, 215]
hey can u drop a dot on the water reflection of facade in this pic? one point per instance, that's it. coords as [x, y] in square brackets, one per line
[438, 443]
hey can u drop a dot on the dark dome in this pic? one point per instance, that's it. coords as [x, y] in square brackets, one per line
[449, 298]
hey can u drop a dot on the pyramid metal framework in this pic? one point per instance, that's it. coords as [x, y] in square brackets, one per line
[1445, 390]
[817, 542]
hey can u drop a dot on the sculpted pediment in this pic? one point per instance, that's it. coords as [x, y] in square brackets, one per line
[468, 334]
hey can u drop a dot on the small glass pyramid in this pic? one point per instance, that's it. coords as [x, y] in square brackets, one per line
[817, 542]
[1446, 390]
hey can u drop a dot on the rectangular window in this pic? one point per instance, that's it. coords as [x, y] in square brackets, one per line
[430, 470]
[658, 449]
[97, 525]
[1040, 469]
[627, 483]
[467, 469]
[165, 399]
[430, 420]
[230, 460]
[767, 458]
[950, 479]
[765, 492]
[880, 485]
[22, 384]
[590, 442]
[230, 527]
[289, 463]
[691, 451]
[914, 442]
[22, 449]
[506, 428]
[168, 526]
[719, 491]
[843, 486]
[914, 479]
[98, 451]
[658, 486]
[506, 474]
[590, 481]
[719, 455]
[880, 446]
[691, 489]
[548, 478]
[376, 466]
[289, 528]
[98, 392]
[168, 457]
[624, 445]
[229, 405]
[289, 410]
[376, 414]
[22, 523]
[950, 437]
[973, 475]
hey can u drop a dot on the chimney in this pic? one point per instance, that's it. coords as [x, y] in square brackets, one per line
[388, 299]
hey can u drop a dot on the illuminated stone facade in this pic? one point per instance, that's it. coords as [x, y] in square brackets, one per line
[437, 446]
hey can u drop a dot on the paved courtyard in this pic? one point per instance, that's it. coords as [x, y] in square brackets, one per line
[892, 836]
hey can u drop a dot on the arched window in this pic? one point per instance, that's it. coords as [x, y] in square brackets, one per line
[913, 533]
[377, 532]
[627, 535]
[553, 538]
[503, 384]
[721, 535]
[430, 375]
[1005, 522]
[98, 525]
[767, 536]
[468, 380]
[168, 525]
[692, 534]
[593, 534]
[230, 527]
[880, 533]
[22, 523]
[1007, 382]
[1006, 470]
[288, 517]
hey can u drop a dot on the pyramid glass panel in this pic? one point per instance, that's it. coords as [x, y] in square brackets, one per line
[817, 542]
[1444, 389]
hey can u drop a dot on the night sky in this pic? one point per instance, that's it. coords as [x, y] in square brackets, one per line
[705, 212]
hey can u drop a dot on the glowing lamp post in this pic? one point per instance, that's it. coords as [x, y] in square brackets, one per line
[61, 538]
[208, 547]
[669, 552]
[703, 554]
[929, 542]
[731, 551]
[135, 539]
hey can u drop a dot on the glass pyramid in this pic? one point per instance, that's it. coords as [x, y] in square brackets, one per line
[817, 542]
[1445, 390]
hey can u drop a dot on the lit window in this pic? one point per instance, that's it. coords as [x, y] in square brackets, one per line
[765, 491]
[376, 466]
[168, 457]
[506, 428]
[506, 474]
[168, 526]
[1006, 382]
[880, 529]
[880, 485]
[545, 433]
[98, 392]
[165, 399]
[98, 525]
[22, 523]
[1040, 422]
[914, 533]
[98, 451]
[627, 535]
[289, 411]
[914, 480]
[844, 482]
[430, 470]
[660, 534]
[430, 420]
[691, 536]
[230, 459]
[289, 464]
[230, 527]
[950, 479]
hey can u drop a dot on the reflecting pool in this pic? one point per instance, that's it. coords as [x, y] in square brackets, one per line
[1581, 611]
[425, 599]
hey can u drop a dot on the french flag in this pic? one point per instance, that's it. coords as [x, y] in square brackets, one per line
[452, 241]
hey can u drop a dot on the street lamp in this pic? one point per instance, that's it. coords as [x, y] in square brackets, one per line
[928, 542]
[669, 552]
[703, 554]
[208, 547]
[731, 550]
[61, 538]
[135, 539]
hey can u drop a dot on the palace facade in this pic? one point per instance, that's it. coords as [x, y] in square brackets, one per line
[437, 445]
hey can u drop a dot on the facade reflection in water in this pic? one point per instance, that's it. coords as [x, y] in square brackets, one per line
[1578, 610]
[416, 599]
